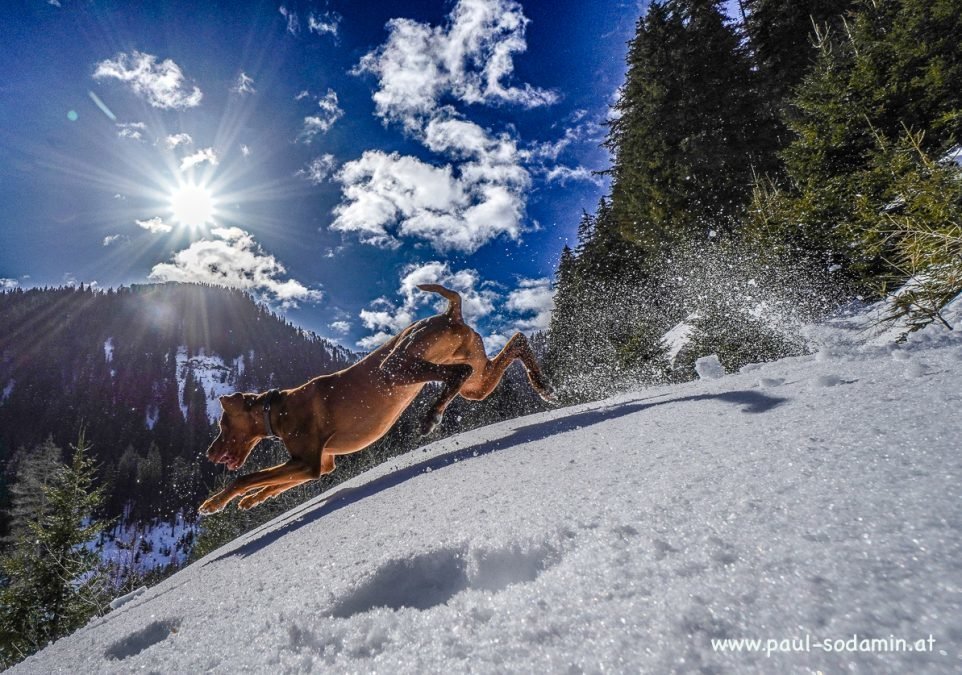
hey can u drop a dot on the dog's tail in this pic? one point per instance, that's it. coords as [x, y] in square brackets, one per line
[453, 298]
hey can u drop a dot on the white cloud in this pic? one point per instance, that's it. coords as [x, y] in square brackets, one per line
[154, 225]
[199, 157]
[340, 327]
[386, 196]
[244, 84]
[586, 131]
[318, 169]
[8, 284]
[246, 151]
[532, 301]
[113, 239]
[562, 174]
[387, 318]
[481, 195]
[486, 307]
[132, 130]
[470, 57]
[293, 23]
[174, 140]
[304, 93]
[162, 84]
[374, 340]
[326, 23]
[613, 112]
[233, 259]
[322, 122]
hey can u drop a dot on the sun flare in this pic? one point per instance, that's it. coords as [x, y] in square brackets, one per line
[192, 205]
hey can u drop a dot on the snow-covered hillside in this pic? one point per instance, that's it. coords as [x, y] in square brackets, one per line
[211, 374]
[815, 499]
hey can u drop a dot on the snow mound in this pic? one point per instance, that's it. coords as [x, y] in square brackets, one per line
[709, 368]
[650, 532]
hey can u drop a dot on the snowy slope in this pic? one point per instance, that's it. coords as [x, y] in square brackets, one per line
[814, 498]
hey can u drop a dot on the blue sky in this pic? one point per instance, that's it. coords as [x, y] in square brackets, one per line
[326, 156]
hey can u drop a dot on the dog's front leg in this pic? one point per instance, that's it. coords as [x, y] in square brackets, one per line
[288, 472]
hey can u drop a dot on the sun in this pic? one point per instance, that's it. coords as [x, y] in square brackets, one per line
[192, 205]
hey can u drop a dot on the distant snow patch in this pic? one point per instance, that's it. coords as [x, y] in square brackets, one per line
[109, 349]
[954, 155]
[211, 374]
[142, 547]
[153, 412]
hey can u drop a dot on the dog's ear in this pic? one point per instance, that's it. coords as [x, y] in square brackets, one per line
[232, 403]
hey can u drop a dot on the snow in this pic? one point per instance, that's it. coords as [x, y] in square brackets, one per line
[119, 602]
[624, 535]
[109, 350]
[151, 416]
[709, 368]
[142, 547]
[211, 374]
[954, 155]
[678, 337]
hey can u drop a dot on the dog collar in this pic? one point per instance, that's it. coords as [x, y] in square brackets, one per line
[267, 411]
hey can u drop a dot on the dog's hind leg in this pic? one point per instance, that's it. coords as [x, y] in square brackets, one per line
[403, 369]
[481, 385]
[460, 374]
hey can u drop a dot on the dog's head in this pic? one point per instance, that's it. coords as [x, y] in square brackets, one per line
[240, 431]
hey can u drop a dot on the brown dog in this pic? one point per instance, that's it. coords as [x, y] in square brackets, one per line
[346, 411]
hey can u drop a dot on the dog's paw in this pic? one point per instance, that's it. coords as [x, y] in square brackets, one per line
[430, 423]
[212, 505]
[548, 394]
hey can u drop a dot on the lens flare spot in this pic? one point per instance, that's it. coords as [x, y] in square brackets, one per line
[192, 205]
[72, 115]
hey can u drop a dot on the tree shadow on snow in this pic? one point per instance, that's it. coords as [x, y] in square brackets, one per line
[752, 402]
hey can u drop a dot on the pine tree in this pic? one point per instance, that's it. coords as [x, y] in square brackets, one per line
[922, 227]
[33, 470]
[53, 585]
[561, 336]
[690, 131]
[781, 34]
[893, 68]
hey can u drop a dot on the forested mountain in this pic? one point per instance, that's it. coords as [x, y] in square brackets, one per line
[141, 368]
